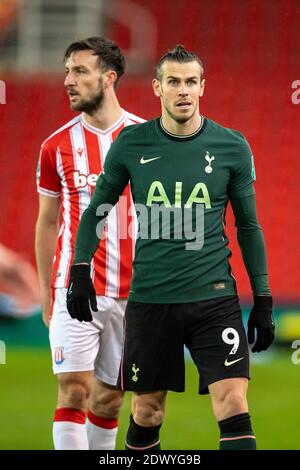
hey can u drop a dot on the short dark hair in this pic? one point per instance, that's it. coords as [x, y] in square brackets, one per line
[178, 54]
[108, 52]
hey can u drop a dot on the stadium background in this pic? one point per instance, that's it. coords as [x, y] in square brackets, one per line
[250, 50]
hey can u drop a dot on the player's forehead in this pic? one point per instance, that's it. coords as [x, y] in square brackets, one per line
[85, 58]
[181, 70]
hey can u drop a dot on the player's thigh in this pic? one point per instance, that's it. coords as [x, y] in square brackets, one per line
[74, 344]
[146, 404]
[222, 388]
[153, 352]
[74, 389]
[229, 397]
[217, 341]
[105, 399]
[108, 359]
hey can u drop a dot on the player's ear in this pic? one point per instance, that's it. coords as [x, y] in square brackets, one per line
[110, 78]
[156, 87]
[202, 86]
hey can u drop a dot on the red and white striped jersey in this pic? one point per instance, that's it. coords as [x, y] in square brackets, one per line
[70, 162]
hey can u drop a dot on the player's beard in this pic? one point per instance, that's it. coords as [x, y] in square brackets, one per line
[91, 105]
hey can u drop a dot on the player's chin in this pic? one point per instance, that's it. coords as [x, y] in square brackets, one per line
[76, 105]
[183, 117]
[184, 112]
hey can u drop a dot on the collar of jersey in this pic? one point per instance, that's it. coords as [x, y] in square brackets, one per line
[106, 131]
[178, 137]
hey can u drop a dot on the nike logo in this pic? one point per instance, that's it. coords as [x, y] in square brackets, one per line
[227, 363]
[142, 160]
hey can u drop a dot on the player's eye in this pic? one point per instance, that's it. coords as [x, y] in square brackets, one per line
[81, 71]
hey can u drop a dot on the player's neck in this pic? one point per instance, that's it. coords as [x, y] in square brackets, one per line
[105, 116]
[185, 128]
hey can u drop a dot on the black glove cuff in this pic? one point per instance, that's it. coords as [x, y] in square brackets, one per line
[263, 301]
[80, 271]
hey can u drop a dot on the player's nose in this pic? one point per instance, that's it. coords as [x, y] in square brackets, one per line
[183, 91]
[69, 80]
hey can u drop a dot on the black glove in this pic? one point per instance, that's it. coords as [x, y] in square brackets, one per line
[261, 318]
[81, 293]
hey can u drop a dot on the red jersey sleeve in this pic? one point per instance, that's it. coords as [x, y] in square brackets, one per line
[47, 177]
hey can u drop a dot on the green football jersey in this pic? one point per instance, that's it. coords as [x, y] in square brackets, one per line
[180, 186]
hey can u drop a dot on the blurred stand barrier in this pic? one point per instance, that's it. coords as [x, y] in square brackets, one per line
[35, 32]
[40, 30]
[288, 324]
[19, 289]
[8, 12]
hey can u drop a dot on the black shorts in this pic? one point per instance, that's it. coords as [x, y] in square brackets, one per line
[155, 335]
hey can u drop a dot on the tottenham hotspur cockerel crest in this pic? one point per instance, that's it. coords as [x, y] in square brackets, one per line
[209, 159]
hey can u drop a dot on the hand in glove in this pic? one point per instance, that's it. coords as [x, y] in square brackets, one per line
[81, 294]
[261, 319]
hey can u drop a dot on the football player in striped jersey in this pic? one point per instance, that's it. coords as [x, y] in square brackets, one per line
[85, 356]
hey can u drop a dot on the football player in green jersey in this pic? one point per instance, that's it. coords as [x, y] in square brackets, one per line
[183, 169]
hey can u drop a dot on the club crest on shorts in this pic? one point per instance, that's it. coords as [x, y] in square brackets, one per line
[59, 355]
[135, 371]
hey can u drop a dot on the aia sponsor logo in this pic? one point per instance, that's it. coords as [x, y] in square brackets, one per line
[81, 180]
